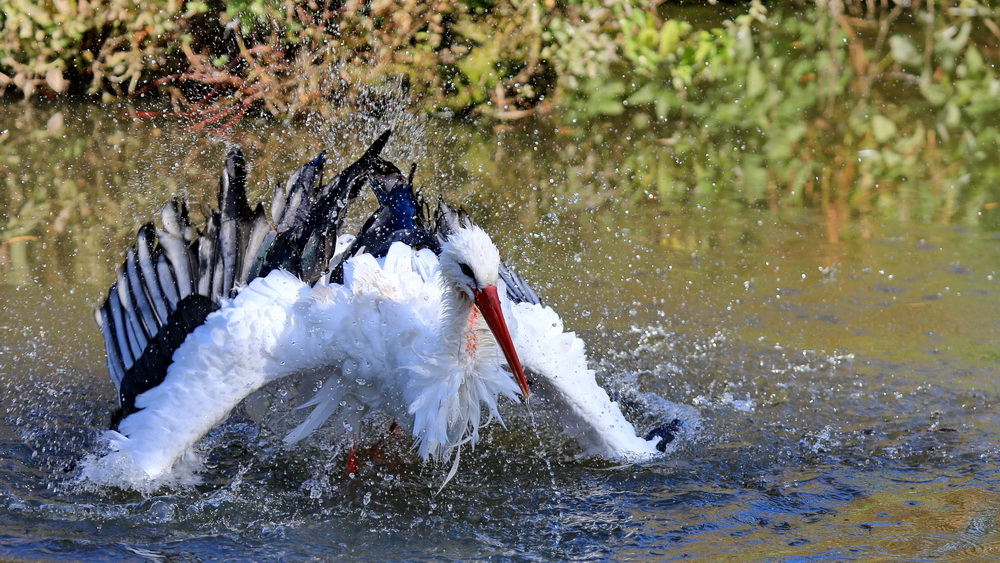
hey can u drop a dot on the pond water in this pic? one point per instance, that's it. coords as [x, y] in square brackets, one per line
[838, 382]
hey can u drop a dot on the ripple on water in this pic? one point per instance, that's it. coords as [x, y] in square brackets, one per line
[838, 403]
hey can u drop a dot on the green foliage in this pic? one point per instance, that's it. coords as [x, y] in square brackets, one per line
[848, 106]
[97, 44]
[809, 107]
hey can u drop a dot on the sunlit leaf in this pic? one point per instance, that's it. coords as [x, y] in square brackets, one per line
[933, 93]
[646, 94]
[756, 81]
[973, 61]
[952, 114]
[883, 128]
[903, 50]
[670, 34]
[666, 101]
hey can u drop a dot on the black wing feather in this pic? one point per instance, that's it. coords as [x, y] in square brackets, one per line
[168, 282]
[254, 244]
[115, 367]
[235, 219]
[404, 216]
[174, 241]
[118, 327]
[174, 276]
[137, 295]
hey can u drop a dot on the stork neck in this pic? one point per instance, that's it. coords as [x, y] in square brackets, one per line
[450, 405]
[467, 332]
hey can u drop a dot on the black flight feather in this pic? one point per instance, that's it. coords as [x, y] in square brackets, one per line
[176, 275]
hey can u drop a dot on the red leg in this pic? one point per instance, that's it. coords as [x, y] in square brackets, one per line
[352, 459]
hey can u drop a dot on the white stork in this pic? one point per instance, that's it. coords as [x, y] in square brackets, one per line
[415, 316]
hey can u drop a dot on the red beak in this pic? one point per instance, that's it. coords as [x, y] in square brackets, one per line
[489, 305]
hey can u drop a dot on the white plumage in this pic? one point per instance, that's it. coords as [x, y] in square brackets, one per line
[422, 336]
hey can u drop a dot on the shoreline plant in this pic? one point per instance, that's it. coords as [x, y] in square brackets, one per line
[858, 109]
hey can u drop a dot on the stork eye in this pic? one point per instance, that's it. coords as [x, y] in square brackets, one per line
[467, 271]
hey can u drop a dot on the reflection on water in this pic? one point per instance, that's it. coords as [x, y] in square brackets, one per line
[846, 393]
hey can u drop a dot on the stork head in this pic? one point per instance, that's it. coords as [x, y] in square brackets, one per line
[470, 264]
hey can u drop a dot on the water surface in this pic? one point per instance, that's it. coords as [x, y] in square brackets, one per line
[839, 388]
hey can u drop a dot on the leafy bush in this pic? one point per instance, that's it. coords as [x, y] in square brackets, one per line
[92, 44]
[814, 106]
[838, 104]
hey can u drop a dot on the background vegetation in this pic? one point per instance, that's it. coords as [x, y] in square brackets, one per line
[858, 108]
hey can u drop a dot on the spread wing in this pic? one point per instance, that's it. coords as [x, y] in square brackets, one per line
[174, 275]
